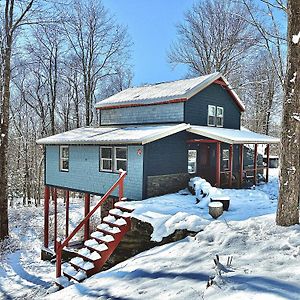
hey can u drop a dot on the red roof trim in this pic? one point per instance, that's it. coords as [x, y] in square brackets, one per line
[143, 104]
[223, 84]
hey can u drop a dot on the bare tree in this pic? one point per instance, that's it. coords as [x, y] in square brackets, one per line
[267, 18]
[213, 37]
[12, 22]
[289, 193]
[98, 45]
[262, 95]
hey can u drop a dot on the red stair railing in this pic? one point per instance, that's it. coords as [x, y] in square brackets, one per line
[60, 245]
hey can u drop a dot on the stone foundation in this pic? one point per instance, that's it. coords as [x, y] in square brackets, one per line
[138, 239]
[164, 184]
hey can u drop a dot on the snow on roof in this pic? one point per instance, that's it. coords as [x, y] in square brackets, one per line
[233, 136]
[113, 135]
[168, 92]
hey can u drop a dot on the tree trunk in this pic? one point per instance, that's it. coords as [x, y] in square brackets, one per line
[288, 204]
[4, 140]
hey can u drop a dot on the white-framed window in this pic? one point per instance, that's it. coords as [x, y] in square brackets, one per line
[225, 159]
[220, 116]
[211, 115]
[120, 158]
[64, 158]
[192, 161]
[113, 158]
[106, 159]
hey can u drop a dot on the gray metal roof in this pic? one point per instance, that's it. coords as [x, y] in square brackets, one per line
[179, 90]
[233, 136]
[113, 135]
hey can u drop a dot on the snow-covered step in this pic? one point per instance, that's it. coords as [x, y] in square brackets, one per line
[82, 264]
[124, 206]
[100, 247]
[73, 273]
[84, 252]
[120, 222]
[103, 237]
[90, 243]
[90, 255]
[110, 219]
[109, 229]
[120, 213]
[107, 238]
[63, 281]
[70, 271]
[97, 234]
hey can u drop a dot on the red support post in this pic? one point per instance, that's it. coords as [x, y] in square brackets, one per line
[46, 216]
[121, 188]
[255, 164]
[58, 252]
[268, 162]
[230, 165]
[241, 164]
[218, 164]
[67, 195]
[86, 212]
[54, 195]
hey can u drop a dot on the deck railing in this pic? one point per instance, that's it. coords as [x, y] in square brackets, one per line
[60, 245]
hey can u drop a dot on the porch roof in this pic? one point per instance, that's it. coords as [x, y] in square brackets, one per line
[233, 136]
[113, 135]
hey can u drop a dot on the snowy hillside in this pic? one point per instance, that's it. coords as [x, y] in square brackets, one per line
[265, 262]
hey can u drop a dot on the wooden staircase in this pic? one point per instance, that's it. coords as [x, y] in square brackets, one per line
[90, 258]
[96, 251]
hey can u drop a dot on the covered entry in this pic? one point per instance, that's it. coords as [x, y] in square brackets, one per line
[227, 157]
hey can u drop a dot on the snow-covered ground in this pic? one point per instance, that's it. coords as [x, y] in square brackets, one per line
[266, 258]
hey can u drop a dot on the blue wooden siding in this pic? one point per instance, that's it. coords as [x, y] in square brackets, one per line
[165, 113]
[166, 156]
[196, 107]
[84, 172]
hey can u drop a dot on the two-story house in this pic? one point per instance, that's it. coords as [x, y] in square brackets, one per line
[161, 135]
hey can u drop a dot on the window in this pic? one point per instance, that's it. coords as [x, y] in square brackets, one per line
[64, 158]
[215, 116]
[192, 161]
[120, 158]
[225, 159]
[211, 116]
[113, 158]
[220, 116]
[106, 160]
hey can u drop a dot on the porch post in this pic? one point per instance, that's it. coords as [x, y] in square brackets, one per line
[46, 216]
[54, 195]
[67, 195]
[268, 162]
[241, 164]
[230, 164]
[255, 164]
[86, 211]
[218, 164]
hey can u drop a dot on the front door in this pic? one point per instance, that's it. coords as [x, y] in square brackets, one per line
[206, 169]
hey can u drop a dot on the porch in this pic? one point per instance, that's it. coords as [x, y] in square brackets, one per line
[229, 157]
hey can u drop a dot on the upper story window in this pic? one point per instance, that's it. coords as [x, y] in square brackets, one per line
[64, 158]
[220, 116]
[211, 116]
[215, 116]
[192, 161]
[113, 158]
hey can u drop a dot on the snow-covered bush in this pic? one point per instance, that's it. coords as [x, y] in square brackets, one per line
[203, 190]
